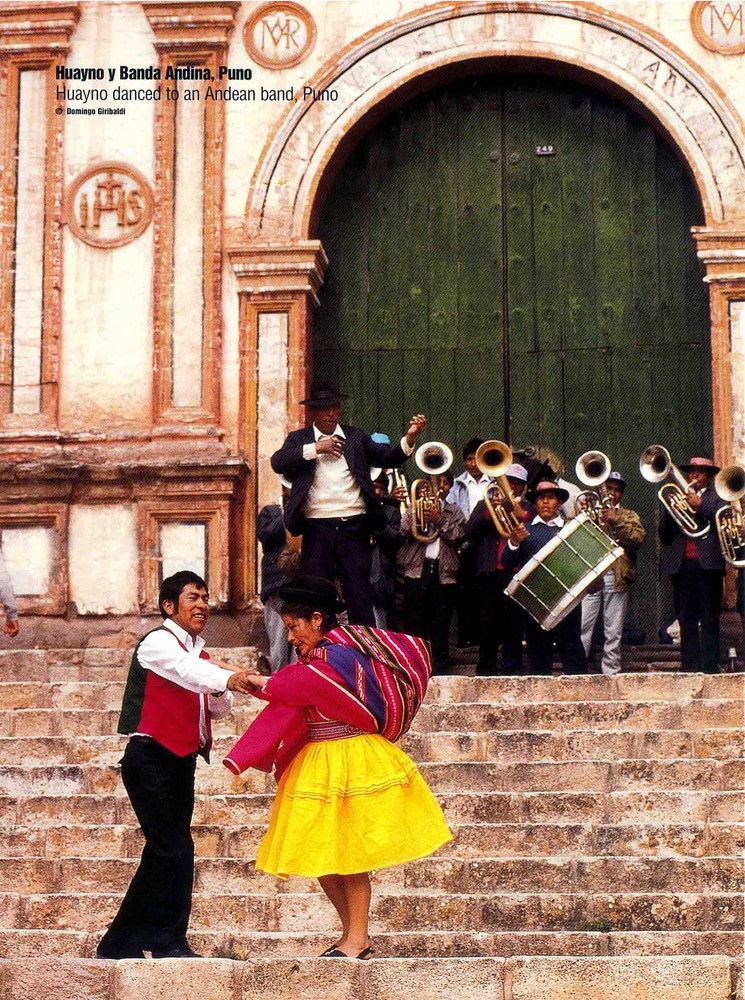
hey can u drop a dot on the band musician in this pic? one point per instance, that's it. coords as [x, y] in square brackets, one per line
[333, 503]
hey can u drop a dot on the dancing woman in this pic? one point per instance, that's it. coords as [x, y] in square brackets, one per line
[348, 801]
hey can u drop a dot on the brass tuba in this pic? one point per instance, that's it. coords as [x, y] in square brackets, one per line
[655, 465]
[730, 522]
[432, 457]
[592, 469]
[493, 459]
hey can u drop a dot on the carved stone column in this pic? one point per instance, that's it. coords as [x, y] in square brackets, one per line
[277, 287]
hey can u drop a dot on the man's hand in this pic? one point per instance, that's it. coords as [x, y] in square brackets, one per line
[245, 682]
[519, 535]
[330, 446]
[417, 425]
[400, 493]
[693, 499]
[11, 628]
[432, 515]
[609, 515]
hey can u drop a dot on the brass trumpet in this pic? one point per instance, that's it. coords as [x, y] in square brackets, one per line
[434, 458]
[655, 465]
[730, 521]
[399, 480]
[493, 459]
[592, 469]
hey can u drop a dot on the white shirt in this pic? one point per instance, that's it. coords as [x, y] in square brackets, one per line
[475, 489]
[161, 654]
[557, 522]
[334, 492]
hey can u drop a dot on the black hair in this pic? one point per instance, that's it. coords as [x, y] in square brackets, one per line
[170, 589]
[472, 446]
[306, 611]
[449, 476]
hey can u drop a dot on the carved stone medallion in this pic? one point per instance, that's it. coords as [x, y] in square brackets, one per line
[108, 205]
[720, 27]
[280, 34]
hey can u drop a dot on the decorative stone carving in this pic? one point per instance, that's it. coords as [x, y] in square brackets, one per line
[109, 205]
[279, 34]
[719, 27]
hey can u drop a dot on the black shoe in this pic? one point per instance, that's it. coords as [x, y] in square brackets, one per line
[115, 956]
[665, 638]
[177, 953]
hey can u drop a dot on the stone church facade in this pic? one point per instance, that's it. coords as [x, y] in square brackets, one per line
[164, 169]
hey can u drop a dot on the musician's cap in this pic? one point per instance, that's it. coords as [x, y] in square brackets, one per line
[701, 462]
[547, 486]
[323, 394]
[315, 591]
[380, 438]
[517, 472]
[616, 477]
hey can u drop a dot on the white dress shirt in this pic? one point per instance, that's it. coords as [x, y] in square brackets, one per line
[557, 522]
[475, 489]
[161, 654]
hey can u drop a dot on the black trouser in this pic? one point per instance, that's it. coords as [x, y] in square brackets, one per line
[155, 911]
[501, 622]
[468, 614]
[340, 547]
[699, 602]
[540, 645]
[428, 611]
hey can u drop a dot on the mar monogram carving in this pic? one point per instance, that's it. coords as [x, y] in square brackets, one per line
[108, 205]
[278, 35]
[720, 27]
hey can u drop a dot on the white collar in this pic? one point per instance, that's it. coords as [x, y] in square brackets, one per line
[477, 482]
[183, 635]
[336, 433]
[557, 521]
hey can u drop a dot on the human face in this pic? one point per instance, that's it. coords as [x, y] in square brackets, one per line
[547, 504]
[699, 478]
[443, 486]
[615, 491]
[303, 634]
[470, 463]
[192, 610]
[517, 486]
[327, 417]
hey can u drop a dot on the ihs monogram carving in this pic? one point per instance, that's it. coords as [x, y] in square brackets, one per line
[109, 205]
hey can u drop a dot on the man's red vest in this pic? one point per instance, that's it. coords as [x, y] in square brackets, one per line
[162, 709]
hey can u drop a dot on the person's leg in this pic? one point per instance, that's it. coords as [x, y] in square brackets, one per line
[353, 563]
[573, 658]
[333, 886]
[155, 911]
[688, 613]
[359, 893]
[614, 615]
[710, 605]
[317, 553]
[488, 629]
[540, 648]
[591, 604]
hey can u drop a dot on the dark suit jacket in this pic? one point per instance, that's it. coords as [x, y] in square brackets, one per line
[360, 452]
[707, 549]
[538, 536]
[481, 531]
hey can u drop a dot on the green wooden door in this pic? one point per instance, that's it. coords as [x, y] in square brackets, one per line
[541, 299]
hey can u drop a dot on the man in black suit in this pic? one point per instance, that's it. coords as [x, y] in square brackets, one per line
[333, 503]
[697, 570]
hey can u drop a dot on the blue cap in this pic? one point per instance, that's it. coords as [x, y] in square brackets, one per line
[616, 477]
[380, 438]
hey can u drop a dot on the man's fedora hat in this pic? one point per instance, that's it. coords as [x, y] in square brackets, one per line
[314, 591]
[700, 462]
[547, 486]
[323, 394]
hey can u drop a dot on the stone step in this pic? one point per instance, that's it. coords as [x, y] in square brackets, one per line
[421, 910]
[232, 876]
[23, 780]
[41, 812]
[520, 978]
[471, 840]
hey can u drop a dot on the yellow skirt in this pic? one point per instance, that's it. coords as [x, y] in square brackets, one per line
[348, 806]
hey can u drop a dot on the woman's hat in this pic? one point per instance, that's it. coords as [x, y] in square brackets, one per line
[700, 462]
[315, 591]
[323, 394]
[548, 486]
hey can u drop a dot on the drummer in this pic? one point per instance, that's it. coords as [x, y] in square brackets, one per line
[525, 542]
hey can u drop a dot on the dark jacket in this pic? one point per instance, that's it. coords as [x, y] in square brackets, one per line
[538, 536]
[480, 531]
[360, 452]
[270, 531]
[386, 543]
[708, 550]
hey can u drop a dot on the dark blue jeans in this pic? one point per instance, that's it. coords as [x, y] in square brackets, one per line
[155, 912]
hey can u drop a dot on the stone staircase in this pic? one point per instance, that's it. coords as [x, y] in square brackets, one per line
[599, 828]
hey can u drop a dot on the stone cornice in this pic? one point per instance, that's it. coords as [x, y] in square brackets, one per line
[280, 269]
[46, 27]
[721, 249]
[188, 25]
